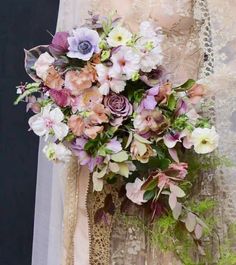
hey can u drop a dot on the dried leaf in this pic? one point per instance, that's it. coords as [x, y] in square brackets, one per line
[190, 222]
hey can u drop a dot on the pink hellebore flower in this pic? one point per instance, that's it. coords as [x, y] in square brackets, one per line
[134, 191]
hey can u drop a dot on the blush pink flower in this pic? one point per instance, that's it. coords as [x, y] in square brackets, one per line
[78, 81]
[134, 191]
[53, 79]
[76, 124]
[150, 120]
[98, 115]
[92, 130]
[196, 92]
[164, 92]
[88, 99]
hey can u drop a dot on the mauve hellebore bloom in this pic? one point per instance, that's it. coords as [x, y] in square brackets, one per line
[83, 44]
[59, 43]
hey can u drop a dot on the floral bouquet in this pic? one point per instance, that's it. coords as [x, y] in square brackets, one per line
[101, 94]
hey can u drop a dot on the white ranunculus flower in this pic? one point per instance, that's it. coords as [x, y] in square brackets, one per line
[204, 140]
[57, 152]
[109, 80]
[118, 36]
[125, 62]
[48, 121]
[42, 65]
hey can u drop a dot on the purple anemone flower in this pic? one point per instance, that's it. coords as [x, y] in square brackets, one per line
[83, 44]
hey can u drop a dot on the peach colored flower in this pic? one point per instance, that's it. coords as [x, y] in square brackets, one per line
[99, 114]
[88, 99]
[92, 130]
[163, 94]
[78, 81]
[196, 92]
[77, 125]
[53, 79]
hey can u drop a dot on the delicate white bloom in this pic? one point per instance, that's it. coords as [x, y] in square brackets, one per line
[125, 61]
[204, 140]
[147, 30]
[49, 121]
[149, 45]
[57, 152]
[118, 36]
[134, 192]
[42, 65]
[109, 80]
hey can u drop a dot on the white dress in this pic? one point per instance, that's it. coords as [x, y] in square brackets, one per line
[200, 43]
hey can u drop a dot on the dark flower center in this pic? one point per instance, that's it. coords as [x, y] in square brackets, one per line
[84, 47]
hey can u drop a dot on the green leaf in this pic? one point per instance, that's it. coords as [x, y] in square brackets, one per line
[150, 185]
[149, 194]
[187, 85]
[171, 102]
[31, 88]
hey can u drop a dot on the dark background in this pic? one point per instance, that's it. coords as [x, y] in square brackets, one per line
[23, 24]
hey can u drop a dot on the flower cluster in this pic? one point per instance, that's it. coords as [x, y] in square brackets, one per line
[102, 95]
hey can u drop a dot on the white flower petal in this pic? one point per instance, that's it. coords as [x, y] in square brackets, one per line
[37, 124]
[56, 115]
[60, 130]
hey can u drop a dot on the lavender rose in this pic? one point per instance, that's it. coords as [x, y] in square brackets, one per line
[119, 107]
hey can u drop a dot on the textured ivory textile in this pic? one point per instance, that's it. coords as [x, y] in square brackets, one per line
[202, 49]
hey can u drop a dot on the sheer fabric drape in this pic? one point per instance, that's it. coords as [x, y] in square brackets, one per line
[199, 48]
